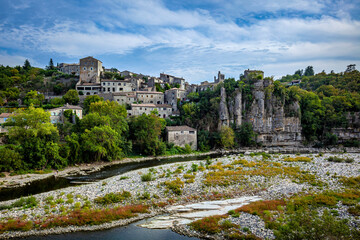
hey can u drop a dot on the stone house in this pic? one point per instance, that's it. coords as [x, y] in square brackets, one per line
[57, 114]
[124, 97]
[172, 96]
[164, 110]
[90, 70]
[166, 78]
[182, 135]
[89, 88]
[113, 86]
[248, 73]
[69, 68]
[150, 97]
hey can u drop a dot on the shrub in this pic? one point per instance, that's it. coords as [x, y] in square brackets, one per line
[208, 225]
[175, 186]
[355, 210]
[194, 167]
[147, 177]
[259, 207]
[113, 197]
[338, 159]
[26, 202]
[145, 196]
[297, 159]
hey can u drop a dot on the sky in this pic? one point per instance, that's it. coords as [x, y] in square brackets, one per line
[193, 39]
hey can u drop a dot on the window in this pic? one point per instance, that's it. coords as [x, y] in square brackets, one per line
[124, 84]
[121, 89]
[80, 88]
[88, 88]
[113, 84]
[113, 89]
[164, 109]
[117, 99]
[91, 68]
[108, 89]
[84, 68]
[104, 89]
[108, 84]
[151, 96]
[192, 132]
[141, 108]
[104, 84]
[119, 84]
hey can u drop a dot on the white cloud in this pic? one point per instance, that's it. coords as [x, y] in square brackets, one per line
[14, 60]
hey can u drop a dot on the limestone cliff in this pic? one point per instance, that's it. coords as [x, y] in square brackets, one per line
[223, 110]
[276, 123]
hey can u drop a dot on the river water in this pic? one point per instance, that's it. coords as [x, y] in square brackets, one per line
[129, 232]
[53, 183]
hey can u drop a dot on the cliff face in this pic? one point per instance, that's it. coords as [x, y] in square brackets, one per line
[275, 123]
[353, 129]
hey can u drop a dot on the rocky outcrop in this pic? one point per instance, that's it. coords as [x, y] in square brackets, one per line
[352, 131]
[275, 123]
[223, 110]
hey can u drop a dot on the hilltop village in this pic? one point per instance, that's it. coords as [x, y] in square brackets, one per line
[142, 93]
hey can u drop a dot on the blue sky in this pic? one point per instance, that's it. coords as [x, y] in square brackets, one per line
[189, 38]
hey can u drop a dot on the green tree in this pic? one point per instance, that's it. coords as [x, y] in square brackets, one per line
[27, 65]
[245, 135]
[309, 71]
[145, 131]
[101, 144]
[10, 159]
[91, 99]
[36, 137]
[72, 97]
[227, 137]
[57, 101]
[33, 98]
[51, 65]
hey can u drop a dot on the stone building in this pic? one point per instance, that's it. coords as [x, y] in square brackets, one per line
[124, 97]
[172, 96]
[113, 86]
[89, 88]
[166, 78]
[150, 97]
[57, 114]
[220, 78]
[254, 73]
[69, 68]
[182, 135]
[164, 110]
[90, 70]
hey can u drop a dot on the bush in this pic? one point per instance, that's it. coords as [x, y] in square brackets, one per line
[113, 197]
[208, 225]
[338, 159]
[26, 202]
[175, 186]
[147, 177]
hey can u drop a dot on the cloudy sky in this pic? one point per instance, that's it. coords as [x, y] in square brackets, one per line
[187, 38]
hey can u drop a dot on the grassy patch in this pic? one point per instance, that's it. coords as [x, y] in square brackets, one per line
[147, 177]
[175, 186]
[339, 160]
[113, 197]
[208, 225]
[22, 202]
[78, 217]
[297, 159]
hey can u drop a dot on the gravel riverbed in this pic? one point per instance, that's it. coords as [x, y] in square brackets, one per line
[273, 187]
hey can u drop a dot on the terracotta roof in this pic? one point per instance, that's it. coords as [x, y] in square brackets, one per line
[5, 115]
[180, 128]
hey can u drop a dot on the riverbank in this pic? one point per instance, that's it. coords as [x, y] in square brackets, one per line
[271, 177]
[84, 169]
